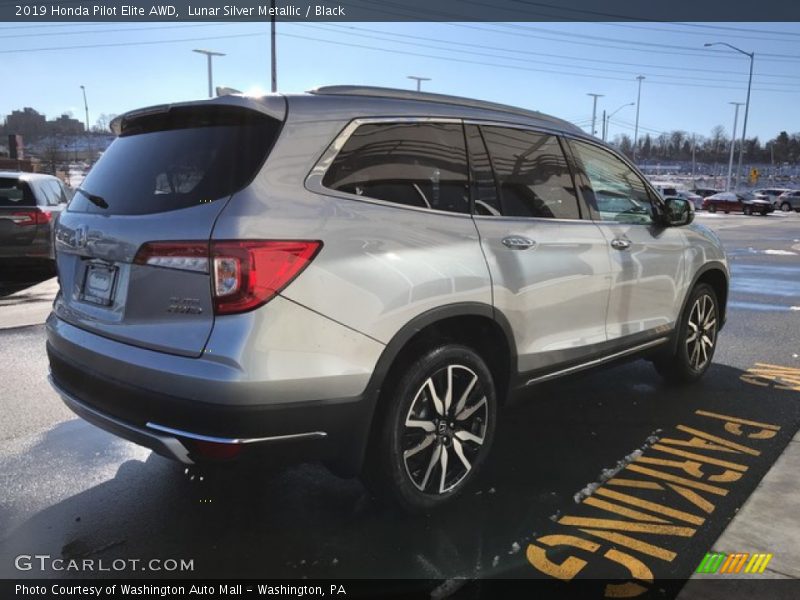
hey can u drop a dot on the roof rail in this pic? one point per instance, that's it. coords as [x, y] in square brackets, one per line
[382, 92]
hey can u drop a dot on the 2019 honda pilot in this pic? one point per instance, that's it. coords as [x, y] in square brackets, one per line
[363, 276]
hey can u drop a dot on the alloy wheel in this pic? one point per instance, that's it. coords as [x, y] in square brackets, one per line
[445, 429]
[702, 332]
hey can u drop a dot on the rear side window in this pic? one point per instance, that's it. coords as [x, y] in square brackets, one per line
[532, 174]
[413, 164]
[14, 192]
[177, 159]
[52, 192]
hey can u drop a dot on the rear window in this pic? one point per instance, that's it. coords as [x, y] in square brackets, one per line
[14, 192]
[177, 159]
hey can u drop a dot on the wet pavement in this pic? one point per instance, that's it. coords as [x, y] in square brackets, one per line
[593, 468]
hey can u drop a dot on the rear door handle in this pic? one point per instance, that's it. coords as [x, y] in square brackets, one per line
[620, 244]
[518, 242]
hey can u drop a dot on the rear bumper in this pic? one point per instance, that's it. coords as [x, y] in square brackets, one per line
[121, 401]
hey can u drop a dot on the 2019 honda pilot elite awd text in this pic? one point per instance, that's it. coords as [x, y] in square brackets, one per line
[363, 276]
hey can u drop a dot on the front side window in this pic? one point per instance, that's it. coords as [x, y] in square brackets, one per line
[532, 174]
[413, 164]
[618, 192]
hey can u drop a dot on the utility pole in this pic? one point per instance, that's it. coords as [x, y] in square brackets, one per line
[594, 111]
[604, 125]
[733, 143]
[638, 104]
[209, 55]
[694, 163]
[419, 80]
[274, 58]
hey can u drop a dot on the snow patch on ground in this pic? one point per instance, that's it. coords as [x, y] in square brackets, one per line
[607, 474]
[780, 252]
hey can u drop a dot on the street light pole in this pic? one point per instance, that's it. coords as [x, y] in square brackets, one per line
[86, 108]
[751, 56]
[733, 143]
[608, 118]
[594, 111]
[209, 55]
[419, 80]
[638, 104]
[88, 135]
[272, 46]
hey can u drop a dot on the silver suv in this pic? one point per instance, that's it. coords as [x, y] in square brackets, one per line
[363, 276]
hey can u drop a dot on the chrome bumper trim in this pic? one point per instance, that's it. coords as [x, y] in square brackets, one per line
[218, 440]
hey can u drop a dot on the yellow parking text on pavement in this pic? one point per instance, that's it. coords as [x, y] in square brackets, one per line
[780, 378]
[690, 468]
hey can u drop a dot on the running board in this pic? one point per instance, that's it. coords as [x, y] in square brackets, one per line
[597, 361]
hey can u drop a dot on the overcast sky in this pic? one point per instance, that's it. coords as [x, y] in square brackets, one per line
[543, 66]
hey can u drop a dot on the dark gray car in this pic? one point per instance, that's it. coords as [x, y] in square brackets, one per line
[363, 276]
[29, 207]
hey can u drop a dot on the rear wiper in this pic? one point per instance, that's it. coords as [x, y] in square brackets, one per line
[96, 200]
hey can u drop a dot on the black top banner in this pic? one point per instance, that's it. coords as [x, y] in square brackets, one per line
[401, 10]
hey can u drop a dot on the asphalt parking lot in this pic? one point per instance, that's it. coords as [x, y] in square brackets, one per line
[607, 475]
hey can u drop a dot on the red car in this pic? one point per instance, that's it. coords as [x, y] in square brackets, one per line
[731, 202]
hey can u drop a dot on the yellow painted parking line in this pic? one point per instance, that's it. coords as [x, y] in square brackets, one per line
[705, 413]
[652, 528]
[700, 458]
[622, 510]
[694, 498]
[632, 543]
[713, 489]
[763, 374]
[719, 440]
[634, 483]
[651, 506]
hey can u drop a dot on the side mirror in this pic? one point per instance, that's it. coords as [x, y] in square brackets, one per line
[679, 211]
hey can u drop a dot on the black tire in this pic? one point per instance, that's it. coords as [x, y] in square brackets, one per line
[786, 207]
[415, 482]
[763, 213]
[712, 208]
[691, 358]
[747, 210]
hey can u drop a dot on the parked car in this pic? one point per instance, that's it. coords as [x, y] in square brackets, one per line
[789, 200]
[29, 206]
[705, 192]
[363, 276]
[772, 194]
[728, 202]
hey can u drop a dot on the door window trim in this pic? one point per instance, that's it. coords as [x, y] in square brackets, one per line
[313, 181]
[584, 214]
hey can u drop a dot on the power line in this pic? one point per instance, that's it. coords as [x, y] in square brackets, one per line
[103, 31]
[633, 46]
[639, 66]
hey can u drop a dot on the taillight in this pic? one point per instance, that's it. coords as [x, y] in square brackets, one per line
[247, 274]
[244, 274]
[184, 256]
[33, 216]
